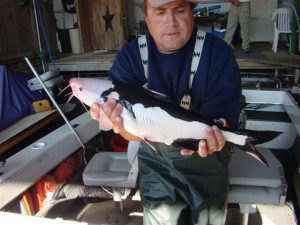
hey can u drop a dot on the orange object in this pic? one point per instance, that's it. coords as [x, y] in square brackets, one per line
[41, 106]
[33, 199]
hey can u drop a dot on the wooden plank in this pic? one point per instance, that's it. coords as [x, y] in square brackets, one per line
[267, 63]
[18, 35]
[24, 128]
[100, 23]
[84, 24]
[16, 32]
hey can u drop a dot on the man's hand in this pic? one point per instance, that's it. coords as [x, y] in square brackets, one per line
[215, 141]
[108, 115]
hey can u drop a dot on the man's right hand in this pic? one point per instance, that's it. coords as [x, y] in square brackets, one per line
[108, 115]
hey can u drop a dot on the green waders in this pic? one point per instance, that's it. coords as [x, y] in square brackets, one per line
[185, 190]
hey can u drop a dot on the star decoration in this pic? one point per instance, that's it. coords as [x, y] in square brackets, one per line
[108, 18]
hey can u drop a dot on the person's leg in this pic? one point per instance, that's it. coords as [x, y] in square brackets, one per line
[213, 215]
[244, 19]
[179, 214]
[232, 22]
[166, 214]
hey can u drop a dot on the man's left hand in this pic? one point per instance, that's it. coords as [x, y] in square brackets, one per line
[214, 142]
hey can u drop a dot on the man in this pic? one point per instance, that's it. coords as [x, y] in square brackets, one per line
[179, 186]
[239, 13]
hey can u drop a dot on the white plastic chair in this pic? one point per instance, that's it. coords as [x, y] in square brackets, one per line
[116, 170]
[281, 18]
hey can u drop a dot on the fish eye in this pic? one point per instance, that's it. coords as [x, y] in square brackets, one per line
[80, 89]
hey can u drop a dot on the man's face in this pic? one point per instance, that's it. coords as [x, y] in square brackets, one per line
[171, 25]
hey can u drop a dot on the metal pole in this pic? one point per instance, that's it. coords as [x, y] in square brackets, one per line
[38, 36]
[295, 22]
[54, 102]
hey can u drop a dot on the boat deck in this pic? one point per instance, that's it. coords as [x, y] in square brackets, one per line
[260, 57]
[95, 212]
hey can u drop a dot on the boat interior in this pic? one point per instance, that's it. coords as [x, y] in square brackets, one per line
[58, 167]
[104, 188]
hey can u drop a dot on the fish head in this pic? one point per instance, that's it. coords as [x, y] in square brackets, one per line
[90, 90]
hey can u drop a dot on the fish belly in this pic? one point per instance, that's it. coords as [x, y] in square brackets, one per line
[155, 124]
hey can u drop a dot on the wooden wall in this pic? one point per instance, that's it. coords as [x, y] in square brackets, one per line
[18, 35]
[96, 33]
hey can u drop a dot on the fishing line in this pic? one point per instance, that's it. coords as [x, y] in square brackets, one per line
[58, 107]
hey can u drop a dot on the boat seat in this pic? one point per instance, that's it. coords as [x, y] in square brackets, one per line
[252, 183]
[114, 169]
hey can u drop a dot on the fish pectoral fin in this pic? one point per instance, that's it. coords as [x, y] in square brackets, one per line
[159, 96]
[191, 144]
[150, 145]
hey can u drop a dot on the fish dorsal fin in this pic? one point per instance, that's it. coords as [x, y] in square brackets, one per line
[159, 96]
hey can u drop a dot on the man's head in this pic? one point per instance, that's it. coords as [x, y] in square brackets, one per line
[170, 22]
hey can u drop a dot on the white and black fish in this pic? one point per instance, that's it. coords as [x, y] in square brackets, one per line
[150, 116]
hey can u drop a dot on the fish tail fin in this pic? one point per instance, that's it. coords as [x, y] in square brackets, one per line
[252, 151]
[255, 138]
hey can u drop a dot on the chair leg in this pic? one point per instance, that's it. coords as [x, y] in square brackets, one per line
[118, 215]
[275, 41]
[245, 210]
[118, 197]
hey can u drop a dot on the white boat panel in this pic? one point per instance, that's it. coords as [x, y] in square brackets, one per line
[283, 98]
[283, 141]
[26, 167]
